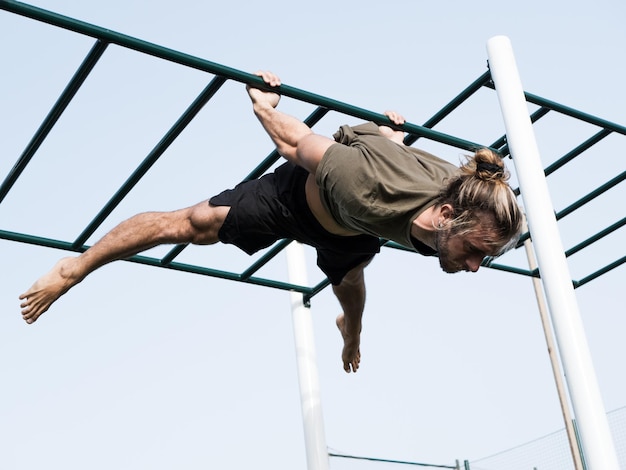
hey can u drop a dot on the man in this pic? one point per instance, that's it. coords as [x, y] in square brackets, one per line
[340, 196]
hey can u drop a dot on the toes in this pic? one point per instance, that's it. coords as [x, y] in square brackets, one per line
[30, 317]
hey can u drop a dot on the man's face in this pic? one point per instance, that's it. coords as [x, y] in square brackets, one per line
[463, 252]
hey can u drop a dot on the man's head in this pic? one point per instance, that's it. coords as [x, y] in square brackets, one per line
[479, 214]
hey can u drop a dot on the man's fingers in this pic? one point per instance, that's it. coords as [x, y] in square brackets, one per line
[268, 77]
[395, 117]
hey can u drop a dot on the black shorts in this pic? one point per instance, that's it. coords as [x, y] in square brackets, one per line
[274, 207]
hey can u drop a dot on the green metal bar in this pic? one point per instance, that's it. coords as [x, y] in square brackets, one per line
[220, 274]
[39, 241]
[315, 290]
[266, 258]
[501, 142]
[106, 36]
[452, 105]
[221, 70]
[487, 262]
[194, 269]
[152, 157]
[575, 113]
[512, 269]
[400, 462]
[584, 244]
[600, 272]
[581, 202]
[123, 40]
[586, 145]
[571, 112]
[601, 234]
[592, 195]
[53, 116]
[262, 167]
[173, 253]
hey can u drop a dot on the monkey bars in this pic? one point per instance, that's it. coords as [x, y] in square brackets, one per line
[221, 75]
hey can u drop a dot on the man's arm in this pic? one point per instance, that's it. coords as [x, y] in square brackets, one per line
[351, 296]
[294, 140]
[284, 130]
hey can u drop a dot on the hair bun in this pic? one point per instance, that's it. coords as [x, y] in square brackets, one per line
[491, 168]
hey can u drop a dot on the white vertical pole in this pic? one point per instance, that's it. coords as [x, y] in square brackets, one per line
[313, 421]
[554, 358]
[596, 440]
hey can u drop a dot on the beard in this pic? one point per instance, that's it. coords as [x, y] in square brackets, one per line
[442, 243]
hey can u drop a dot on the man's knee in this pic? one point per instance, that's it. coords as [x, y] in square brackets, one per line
[356, 275]
[204, 222]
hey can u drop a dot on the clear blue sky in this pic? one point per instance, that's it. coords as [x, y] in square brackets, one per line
[139, 367]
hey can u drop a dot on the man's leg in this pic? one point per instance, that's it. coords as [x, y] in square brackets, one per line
[198, 224]
[294, 140]
[351, 295]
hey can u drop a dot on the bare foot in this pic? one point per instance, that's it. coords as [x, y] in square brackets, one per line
[351, 354]
[47, 289]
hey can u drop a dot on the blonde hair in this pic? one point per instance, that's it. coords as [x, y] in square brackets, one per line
[480, 189]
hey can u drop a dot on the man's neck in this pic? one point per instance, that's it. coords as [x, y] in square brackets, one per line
[424, 226]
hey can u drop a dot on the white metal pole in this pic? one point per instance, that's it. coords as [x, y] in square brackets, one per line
[308, 378]
[554, 359]
[596, 440]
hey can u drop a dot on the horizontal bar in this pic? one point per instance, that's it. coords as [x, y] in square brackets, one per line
[315, 290]
[53, 116]
[586, 145]
[501, 142]
[513, 269]
[266, 258]
[600, 272]
[219, 274]
[480, 82]
[534, 99]
[592, 195]
[452, 105]
[580, 202]
[577, 151]
[487, 262]
[571, 112]
[400, 462]
[39, 241]
[67, 246]
[173, 253]
[601, 234]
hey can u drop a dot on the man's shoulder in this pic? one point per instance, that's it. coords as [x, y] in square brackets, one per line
[425, 156]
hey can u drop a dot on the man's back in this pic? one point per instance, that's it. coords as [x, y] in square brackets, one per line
[373, 185]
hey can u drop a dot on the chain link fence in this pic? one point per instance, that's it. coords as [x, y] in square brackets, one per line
[552, 452]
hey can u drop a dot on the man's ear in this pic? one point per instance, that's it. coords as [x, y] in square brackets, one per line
[446, 213]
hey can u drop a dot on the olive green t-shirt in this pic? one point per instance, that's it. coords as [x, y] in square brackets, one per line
[373, 185]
